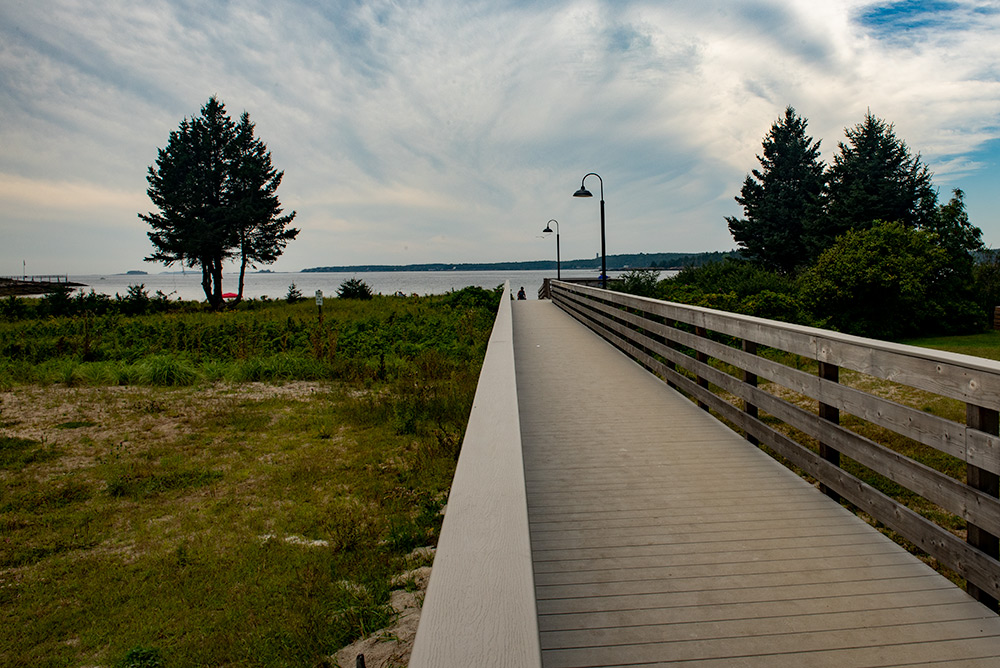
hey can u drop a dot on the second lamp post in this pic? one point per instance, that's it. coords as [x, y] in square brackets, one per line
[583, 192]
[548, 230]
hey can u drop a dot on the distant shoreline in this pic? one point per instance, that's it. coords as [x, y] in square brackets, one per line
[664, 261]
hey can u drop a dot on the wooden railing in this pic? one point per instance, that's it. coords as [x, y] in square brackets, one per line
[54, 278]
[751, 373]
[480, 604]
[545, 293]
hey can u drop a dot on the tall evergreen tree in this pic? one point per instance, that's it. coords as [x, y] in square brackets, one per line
[779, 198]
[874, 178]
[261, 230]
[215, 188]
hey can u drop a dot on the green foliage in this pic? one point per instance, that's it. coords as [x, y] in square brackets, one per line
[380, 338]
[642, 282]
[885, 282]
[780, 198]
[736, 286]
[16, 453]
[793, 225]
[986, 282]
[215, 191]
[354, 288]
[65, 302]
[233, 525]
[13, 308]
[874, 178]
[164, 371]
[142, 657]
[293, 295]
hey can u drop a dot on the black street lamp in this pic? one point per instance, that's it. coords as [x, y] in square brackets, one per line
[548, 230]
[583, 192]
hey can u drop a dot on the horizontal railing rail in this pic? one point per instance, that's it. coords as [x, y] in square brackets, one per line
[737, 365]
[480, 604]
[61, 278]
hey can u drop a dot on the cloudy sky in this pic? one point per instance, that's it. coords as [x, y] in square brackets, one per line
[442, 131]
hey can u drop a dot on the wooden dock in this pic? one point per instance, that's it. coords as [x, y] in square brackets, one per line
[659, 536]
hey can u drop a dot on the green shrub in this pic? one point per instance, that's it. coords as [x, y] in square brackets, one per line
[166, 371]
[142, 657]
[888, 281]
[733, 276]
[354, 288]
[294, 295]
[641, 282]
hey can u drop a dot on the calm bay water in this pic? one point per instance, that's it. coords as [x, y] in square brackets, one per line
[188, 286]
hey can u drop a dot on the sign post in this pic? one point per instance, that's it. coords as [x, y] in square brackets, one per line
[319, 304]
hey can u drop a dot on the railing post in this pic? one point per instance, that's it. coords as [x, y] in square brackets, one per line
[829, 372]
[670, 344]
[701, 357]
[987, 420]
[750, 379]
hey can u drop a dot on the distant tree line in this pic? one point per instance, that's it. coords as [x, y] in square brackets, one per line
[615, 262]
[861, 246]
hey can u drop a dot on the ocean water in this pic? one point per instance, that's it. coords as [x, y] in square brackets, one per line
[187, 286]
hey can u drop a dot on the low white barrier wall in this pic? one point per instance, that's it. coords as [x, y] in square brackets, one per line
[480, 605]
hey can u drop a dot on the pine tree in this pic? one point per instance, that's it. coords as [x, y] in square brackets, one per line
[874, 178]
[781, 197]
[262, 231]
[215, 189]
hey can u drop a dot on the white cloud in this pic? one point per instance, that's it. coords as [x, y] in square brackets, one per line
[427, 131]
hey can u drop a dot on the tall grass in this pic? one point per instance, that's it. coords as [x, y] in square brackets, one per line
[170, 515]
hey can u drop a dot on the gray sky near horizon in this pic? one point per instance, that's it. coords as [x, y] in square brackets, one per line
[435, 131]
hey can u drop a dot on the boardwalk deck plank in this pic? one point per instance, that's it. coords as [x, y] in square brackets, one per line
[660, 536]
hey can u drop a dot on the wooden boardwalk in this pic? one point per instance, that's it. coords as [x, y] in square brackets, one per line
[659, 536]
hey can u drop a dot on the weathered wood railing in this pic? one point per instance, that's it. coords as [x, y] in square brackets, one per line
[689, 347]
[60, 278]
[480, 603]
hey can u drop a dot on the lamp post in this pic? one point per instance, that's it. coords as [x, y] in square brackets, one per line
[548, 230]
[583, 192]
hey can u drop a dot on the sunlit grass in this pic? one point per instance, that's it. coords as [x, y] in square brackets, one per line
[163, 506]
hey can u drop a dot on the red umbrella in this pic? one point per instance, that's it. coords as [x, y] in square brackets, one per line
[229, 295]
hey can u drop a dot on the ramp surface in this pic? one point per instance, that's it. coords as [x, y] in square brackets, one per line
[659, 536]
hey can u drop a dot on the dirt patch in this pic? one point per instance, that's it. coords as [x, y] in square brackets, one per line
[391, 647]
[58, 415]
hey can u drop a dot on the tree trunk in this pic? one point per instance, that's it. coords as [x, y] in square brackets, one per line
[243, 268]
[206, 279]
[216, 300]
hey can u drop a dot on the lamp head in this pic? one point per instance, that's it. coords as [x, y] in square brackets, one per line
[582, 192]
[547, 230]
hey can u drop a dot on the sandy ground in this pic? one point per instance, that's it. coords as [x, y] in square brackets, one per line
[35, 412]
[391, 647]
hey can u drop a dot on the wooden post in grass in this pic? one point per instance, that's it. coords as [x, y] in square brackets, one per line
[750, 379]
[987, 420]
[702, 357]
[829, 372]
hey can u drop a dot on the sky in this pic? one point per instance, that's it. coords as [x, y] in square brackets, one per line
[442, 131]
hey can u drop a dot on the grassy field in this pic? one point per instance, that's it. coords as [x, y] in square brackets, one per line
[985, 345]
[225, 489]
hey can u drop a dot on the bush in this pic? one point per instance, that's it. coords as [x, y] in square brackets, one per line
[733, 276]
[142, 657]
[736, 286]
[354, 288]
[294, 294]
[13, 308]
[888, 281]
[641, 282]
[986, 282]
